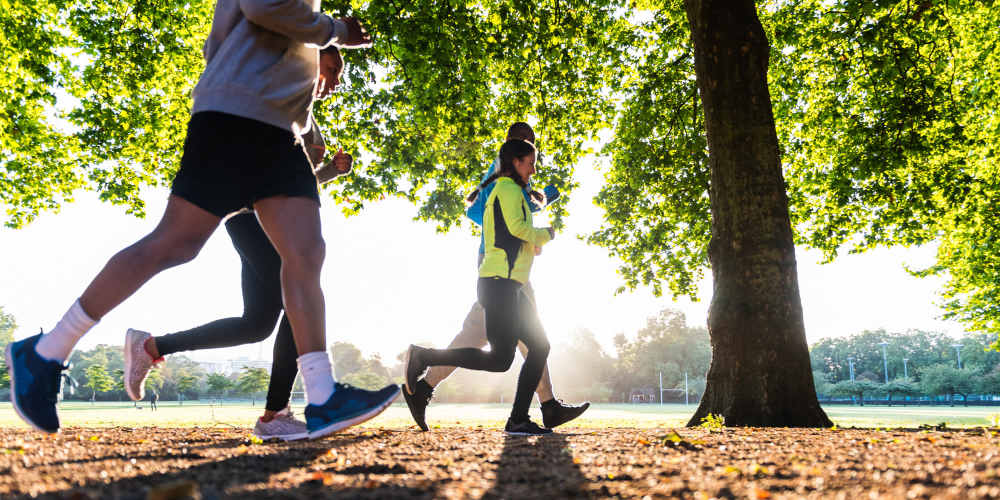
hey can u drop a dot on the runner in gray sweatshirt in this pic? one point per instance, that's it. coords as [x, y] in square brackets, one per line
[252, 100]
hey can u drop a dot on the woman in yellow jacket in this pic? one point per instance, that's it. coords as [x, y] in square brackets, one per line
[511, 242]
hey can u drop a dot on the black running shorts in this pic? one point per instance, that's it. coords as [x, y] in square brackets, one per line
[230, 162]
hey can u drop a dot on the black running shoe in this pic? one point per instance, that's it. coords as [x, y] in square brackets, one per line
[414, 368]
[556, 413]
[418, 401]
[525, 428]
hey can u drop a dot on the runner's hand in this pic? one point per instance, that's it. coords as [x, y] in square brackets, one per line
[342, 162]
[339, 165]
[357, 37]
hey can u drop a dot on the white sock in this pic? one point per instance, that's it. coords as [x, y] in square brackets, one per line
[57, 344]
[317, 376]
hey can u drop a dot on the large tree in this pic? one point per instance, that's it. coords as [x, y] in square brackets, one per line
[760, 373]
[884, 113]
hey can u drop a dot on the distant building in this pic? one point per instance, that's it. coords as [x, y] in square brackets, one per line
[237, 365]
[233, 366]
[643, 395]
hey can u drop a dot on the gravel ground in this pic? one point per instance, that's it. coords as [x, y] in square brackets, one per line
[212, 463]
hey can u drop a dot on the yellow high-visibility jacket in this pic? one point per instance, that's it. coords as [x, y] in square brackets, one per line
[508, 235]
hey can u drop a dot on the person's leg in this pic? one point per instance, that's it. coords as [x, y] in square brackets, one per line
[260, 271]
[554, 412]
[293, 226]
[278, 422]
[473, 335]
[261, 286]
[35, 364]
[499, 300]
[177, 238]
[283, 369]
[292, 223]
[533, 336]
[544, 389]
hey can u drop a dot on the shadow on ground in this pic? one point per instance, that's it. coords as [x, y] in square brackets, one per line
[527, 461]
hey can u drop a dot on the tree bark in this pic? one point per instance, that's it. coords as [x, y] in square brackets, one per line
[760, 373]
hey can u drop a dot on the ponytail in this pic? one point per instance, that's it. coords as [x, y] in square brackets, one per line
[475, 193]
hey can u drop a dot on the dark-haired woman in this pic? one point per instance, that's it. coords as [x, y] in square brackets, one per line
[511, 242]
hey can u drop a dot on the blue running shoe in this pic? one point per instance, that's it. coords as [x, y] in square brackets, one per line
[34, 384]
[346, 407]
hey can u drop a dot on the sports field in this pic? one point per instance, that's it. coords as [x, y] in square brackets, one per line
[242, 414]
[116, 451]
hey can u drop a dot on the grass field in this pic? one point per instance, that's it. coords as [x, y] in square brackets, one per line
[242, 414]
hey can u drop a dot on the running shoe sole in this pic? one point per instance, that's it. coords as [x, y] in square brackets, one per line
[284, 437]
[129, 345]
[410, 401]
[13, 391]
[363, 417]
[512, 433]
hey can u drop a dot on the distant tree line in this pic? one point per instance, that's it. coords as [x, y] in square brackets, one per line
[936, 367]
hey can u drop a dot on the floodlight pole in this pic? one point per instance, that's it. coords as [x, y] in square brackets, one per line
[958, 352]
[850, 360]
[885, 361]
[906, 374]
[661, 388]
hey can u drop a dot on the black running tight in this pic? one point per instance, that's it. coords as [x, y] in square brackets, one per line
[262, 307]
[510, 317]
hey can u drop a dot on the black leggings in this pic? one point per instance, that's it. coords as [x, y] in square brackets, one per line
[262, 306]
[510, 317]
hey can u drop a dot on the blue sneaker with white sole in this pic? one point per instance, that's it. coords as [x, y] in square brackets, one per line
[34, 384]
[347, 406]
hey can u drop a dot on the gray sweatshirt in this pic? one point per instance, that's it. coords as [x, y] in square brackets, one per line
[262, 60]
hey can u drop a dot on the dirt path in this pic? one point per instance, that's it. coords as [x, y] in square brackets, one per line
[216, 463]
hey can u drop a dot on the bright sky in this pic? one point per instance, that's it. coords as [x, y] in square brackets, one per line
[390, 281]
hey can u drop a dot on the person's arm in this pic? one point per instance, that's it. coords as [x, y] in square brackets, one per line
[339, 165]
[315, 145]
[296, 20]
[511, 199]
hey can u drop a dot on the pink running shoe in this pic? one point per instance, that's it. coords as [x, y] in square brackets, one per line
[283, 426]
[137, 363]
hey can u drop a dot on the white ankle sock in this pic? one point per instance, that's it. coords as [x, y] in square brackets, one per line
[317, 376]
[58, 343]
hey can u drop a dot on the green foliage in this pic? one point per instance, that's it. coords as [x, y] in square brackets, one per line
[218, 384]
[423, 109]
[111, 358]
[712, 422]
[946, 379]
[37, 171]
[154, 381]
[252, 381]
[900, 387]
[665, 345]
[186, 383]
[346, 359]
[885, 115]
[7, 326]
[921, 349]
[857, 389]
[98, 380]
[366, 380]
[656, 193]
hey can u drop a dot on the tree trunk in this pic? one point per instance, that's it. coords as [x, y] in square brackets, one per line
[760, 373]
